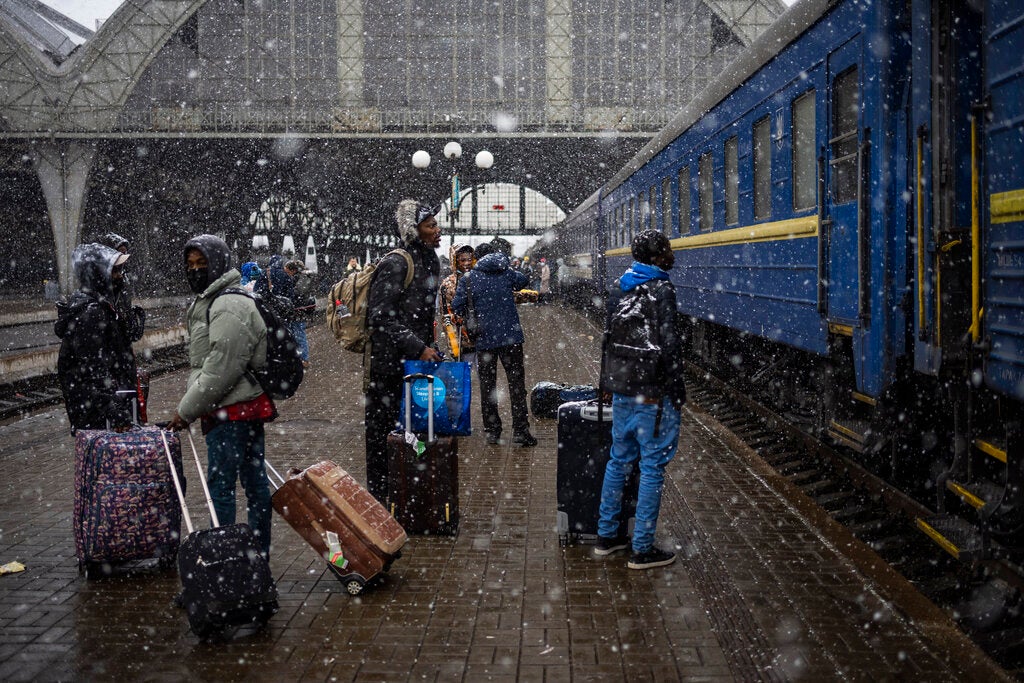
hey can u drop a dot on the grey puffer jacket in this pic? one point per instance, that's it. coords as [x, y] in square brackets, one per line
[221, 352]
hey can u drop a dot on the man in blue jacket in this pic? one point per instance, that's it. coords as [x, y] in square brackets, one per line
[644, 369]
[490, 285]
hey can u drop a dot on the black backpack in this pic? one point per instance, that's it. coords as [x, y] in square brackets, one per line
[282, 374]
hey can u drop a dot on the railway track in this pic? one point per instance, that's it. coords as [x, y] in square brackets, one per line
[24, 396]
[984, 600]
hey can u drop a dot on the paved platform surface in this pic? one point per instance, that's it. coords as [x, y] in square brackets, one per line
[759, 593]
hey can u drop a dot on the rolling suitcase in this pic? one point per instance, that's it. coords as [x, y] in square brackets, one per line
[340, 520]
[125, 506]
[545, 397]
[423, 477]
[226, 583]
[584, 444]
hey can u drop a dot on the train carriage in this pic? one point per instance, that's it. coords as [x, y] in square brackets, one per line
[846, 204]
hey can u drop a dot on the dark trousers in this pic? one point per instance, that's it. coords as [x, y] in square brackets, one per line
[235, 452]
[512, 360]
[383, 398]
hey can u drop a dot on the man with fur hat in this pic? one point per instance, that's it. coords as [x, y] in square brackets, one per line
[401, 325]
[95, 359]
[227, 337]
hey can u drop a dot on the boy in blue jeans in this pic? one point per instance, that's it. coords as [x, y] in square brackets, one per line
[643, 368]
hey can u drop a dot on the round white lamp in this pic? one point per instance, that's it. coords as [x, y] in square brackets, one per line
[420, 159]
[484, 159]
[452, 150]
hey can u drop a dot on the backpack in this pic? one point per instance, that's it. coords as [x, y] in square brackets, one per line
[633, 346]
[348, 299]
[281, 375]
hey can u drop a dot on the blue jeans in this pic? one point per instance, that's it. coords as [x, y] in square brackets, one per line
[234, 451]
[633, 437]
[298, 328]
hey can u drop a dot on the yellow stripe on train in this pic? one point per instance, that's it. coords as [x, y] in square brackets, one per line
[791, 229]
[1007, 207]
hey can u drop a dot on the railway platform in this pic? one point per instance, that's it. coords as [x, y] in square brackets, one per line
[762, 590]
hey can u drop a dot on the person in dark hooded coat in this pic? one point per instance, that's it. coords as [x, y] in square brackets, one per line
[133, 318]
[492, 284]
[401, 324]
[95, 359]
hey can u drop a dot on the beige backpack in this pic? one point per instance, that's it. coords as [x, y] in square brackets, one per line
[347, 301]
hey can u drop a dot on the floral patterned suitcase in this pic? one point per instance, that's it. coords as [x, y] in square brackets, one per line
[126, 507]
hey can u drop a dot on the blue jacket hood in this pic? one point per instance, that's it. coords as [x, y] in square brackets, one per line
[638, 274]
[493, 263]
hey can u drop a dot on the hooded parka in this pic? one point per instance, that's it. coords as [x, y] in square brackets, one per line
[492, 282]
[95, 358]
[221, 352]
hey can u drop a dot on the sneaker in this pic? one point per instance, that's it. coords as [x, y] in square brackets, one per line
[653, 557]
[607, 546]
[493, 439]
[524, 439]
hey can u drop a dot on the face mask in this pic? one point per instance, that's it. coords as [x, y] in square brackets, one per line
[198, 279]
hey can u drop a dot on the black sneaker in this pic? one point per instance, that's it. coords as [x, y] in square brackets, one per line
[493, 439]
[607, 546]
[524, 439]
[653, 557]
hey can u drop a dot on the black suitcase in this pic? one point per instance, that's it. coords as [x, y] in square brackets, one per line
[226, 583]
[545, 397]
[423, 475]
[584, 445]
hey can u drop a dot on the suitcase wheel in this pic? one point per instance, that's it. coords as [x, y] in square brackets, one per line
[563, 540]
[354, 586]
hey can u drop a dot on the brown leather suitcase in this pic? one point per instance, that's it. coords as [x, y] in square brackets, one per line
[341, 521]
[423, 476]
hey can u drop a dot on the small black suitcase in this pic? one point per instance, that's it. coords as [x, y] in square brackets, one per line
[423, 475]
[545, 397]
[582, 456]
[226, 583]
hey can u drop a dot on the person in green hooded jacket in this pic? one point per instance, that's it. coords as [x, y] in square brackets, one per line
[227, 338]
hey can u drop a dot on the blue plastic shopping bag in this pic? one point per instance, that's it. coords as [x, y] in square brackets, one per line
[452, 394]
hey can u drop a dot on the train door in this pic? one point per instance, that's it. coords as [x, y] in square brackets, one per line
[842, 183]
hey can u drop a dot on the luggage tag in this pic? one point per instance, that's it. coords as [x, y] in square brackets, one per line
[334, 548]
[417, 445]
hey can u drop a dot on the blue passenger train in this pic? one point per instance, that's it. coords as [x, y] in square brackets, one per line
[846, 203]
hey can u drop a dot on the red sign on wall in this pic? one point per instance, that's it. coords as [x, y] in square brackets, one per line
[498, 207]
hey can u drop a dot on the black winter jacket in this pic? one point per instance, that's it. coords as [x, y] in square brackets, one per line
[95, 358]
[643, 355]
[401, 321]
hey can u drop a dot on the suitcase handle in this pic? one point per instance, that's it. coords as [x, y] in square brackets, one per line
[177, 484]
[202, 479]
[409, 379]
[277, 474]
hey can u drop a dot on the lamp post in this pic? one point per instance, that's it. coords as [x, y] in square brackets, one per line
[453, 152]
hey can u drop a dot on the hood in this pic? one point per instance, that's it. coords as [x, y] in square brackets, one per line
[113, 240]
[453, 252]
[638, 274]
[216, 252]
[405, 216]
[495, 262]
[250, 271]
[276, 262]
[92, 264]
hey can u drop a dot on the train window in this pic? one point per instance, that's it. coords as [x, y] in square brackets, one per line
[805, 172]
[630, 226]
[762, 169]
[666, 206]
[706, 192]
[732, 182]
[643, 219]
[684, 200]
[652, 212]
[844, 143]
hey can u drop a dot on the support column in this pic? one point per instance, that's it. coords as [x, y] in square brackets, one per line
[558, 61]
[63, 170]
